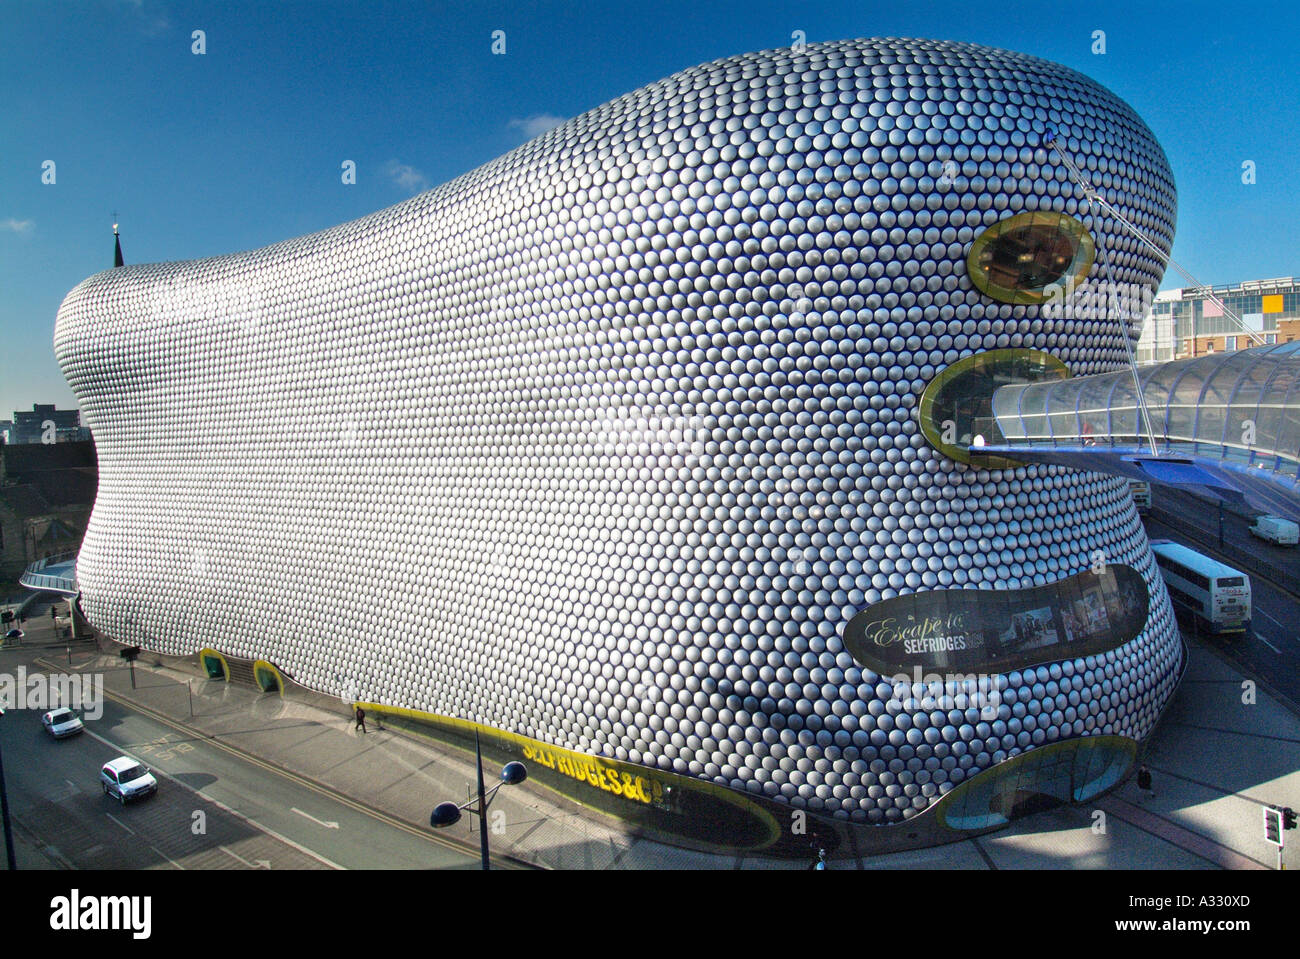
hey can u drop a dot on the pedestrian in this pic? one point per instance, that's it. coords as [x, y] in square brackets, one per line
[1144, 782]
[361, 719]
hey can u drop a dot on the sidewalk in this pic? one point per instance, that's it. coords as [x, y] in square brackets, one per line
[1215, 760]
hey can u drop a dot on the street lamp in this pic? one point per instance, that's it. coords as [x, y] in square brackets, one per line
[448, 813]
[4, 812]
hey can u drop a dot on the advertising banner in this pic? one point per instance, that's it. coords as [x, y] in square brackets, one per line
[986, 630]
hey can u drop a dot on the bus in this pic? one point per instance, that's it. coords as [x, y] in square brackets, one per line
[1215, 595]
[1141, 493]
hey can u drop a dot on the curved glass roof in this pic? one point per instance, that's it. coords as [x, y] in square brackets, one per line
[1237, 415]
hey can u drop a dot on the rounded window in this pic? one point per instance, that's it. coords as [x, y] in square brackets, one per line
[957, 405]
[1031, 257]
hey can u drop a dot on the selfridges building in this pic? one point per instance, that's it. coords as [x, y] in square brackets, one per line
[635, 450]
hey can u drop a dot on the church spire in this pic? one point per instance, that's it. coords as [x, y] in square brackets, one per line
[117, 245]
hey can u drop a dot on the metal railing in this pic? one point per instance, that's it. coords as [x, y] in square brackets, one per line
[33, 578]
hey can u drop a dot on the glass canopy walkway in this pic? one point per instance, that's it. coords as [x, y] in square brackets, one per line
[55, 574]
[1228, 422]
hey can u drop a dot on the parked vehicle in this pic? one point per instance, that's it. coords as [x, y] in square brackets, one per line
[62, 723]
[1274, 529]
[1141, 492]
[1215, 595]
[126, 778]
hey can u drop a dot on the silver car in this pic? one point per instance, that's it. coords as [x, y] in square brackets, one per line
[126, 778]
[61, 723]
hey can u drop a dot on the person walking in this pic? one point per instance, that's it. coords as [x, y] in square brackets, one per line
[361, 719]
[1144, 782]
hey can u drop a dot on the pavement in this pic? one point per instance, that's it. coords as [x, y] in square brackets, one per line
[1224, 748]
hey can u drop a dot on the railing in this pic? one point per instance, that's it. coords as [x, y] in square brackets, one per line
[1207, 534]
[33, 578]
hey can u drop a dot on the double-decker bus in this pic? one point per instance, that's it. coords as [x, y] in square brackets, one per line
[1215, 595]
[1141, 493]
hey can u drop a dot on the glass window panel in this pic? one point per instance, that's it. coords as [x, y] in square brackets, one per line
[1030, 257]
[1179, 421]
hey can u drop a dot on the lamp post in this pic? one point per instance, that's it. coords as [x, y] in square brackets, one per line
[4, 813]
[448, 813]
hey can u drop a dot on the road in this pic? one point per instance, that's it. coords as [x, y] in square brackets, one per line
[1272, 652]
[214, 809]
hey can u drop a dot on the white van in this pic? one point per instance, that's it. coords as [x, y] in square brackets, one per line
[1274, 529]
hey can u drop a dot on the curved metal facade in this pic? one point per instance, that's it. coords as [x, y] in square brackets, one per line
[605, 441]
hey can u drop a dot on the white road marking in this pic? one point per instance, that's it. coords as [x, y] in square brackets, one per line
[1269, 617]
[327, 825]
[260, 864]
[227, 809]
[120, 823]
[1261, 638]
[168, 858]
[1268, 644]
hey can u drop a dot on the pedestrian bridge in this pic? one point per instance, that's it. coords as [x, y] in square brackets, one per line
[1225, 422]
[54, 574]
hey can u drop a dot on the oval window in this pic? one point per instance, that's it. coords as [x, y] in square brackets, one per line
[1031, 257]
[957, 405]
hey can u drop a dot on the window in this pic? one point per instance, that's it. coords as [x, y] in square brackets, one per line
[1182, 572]
[1030, 257]
[1229, 342]
[957, 405]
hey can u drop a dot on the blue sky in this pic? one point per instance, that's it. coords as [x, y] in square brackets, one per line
[242, 146]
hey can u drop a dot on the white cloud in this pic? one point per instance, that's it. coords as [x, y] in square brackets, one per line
[153, 21]
[17, 226]
[406, 176]
[537, 124]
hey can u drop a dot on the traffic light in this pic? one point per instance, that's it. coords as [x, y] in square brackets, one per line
[1273, 825]
[130, 653]
[1288, 818]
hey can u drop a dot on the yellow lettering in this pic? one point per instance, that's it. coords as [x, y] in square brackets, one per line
[628, 787]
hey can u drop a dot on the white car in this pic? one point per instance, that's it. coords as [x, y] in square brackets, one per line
[126, 779]
[61, 723]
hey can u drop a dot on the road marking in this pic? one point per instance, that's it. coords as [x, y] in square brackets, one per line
[1268, 644]
[168, 858]
[1261, 638]
[120, 823]
[227, 809]
[327, 825]
[327, 792]
[260, 864]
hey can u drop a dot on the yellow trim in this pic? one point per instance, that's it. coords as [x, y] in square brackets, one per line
[1085, 252]
[1039, 754]
[209, 651]
[261, 666]
[962, 366]
[639, 784]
